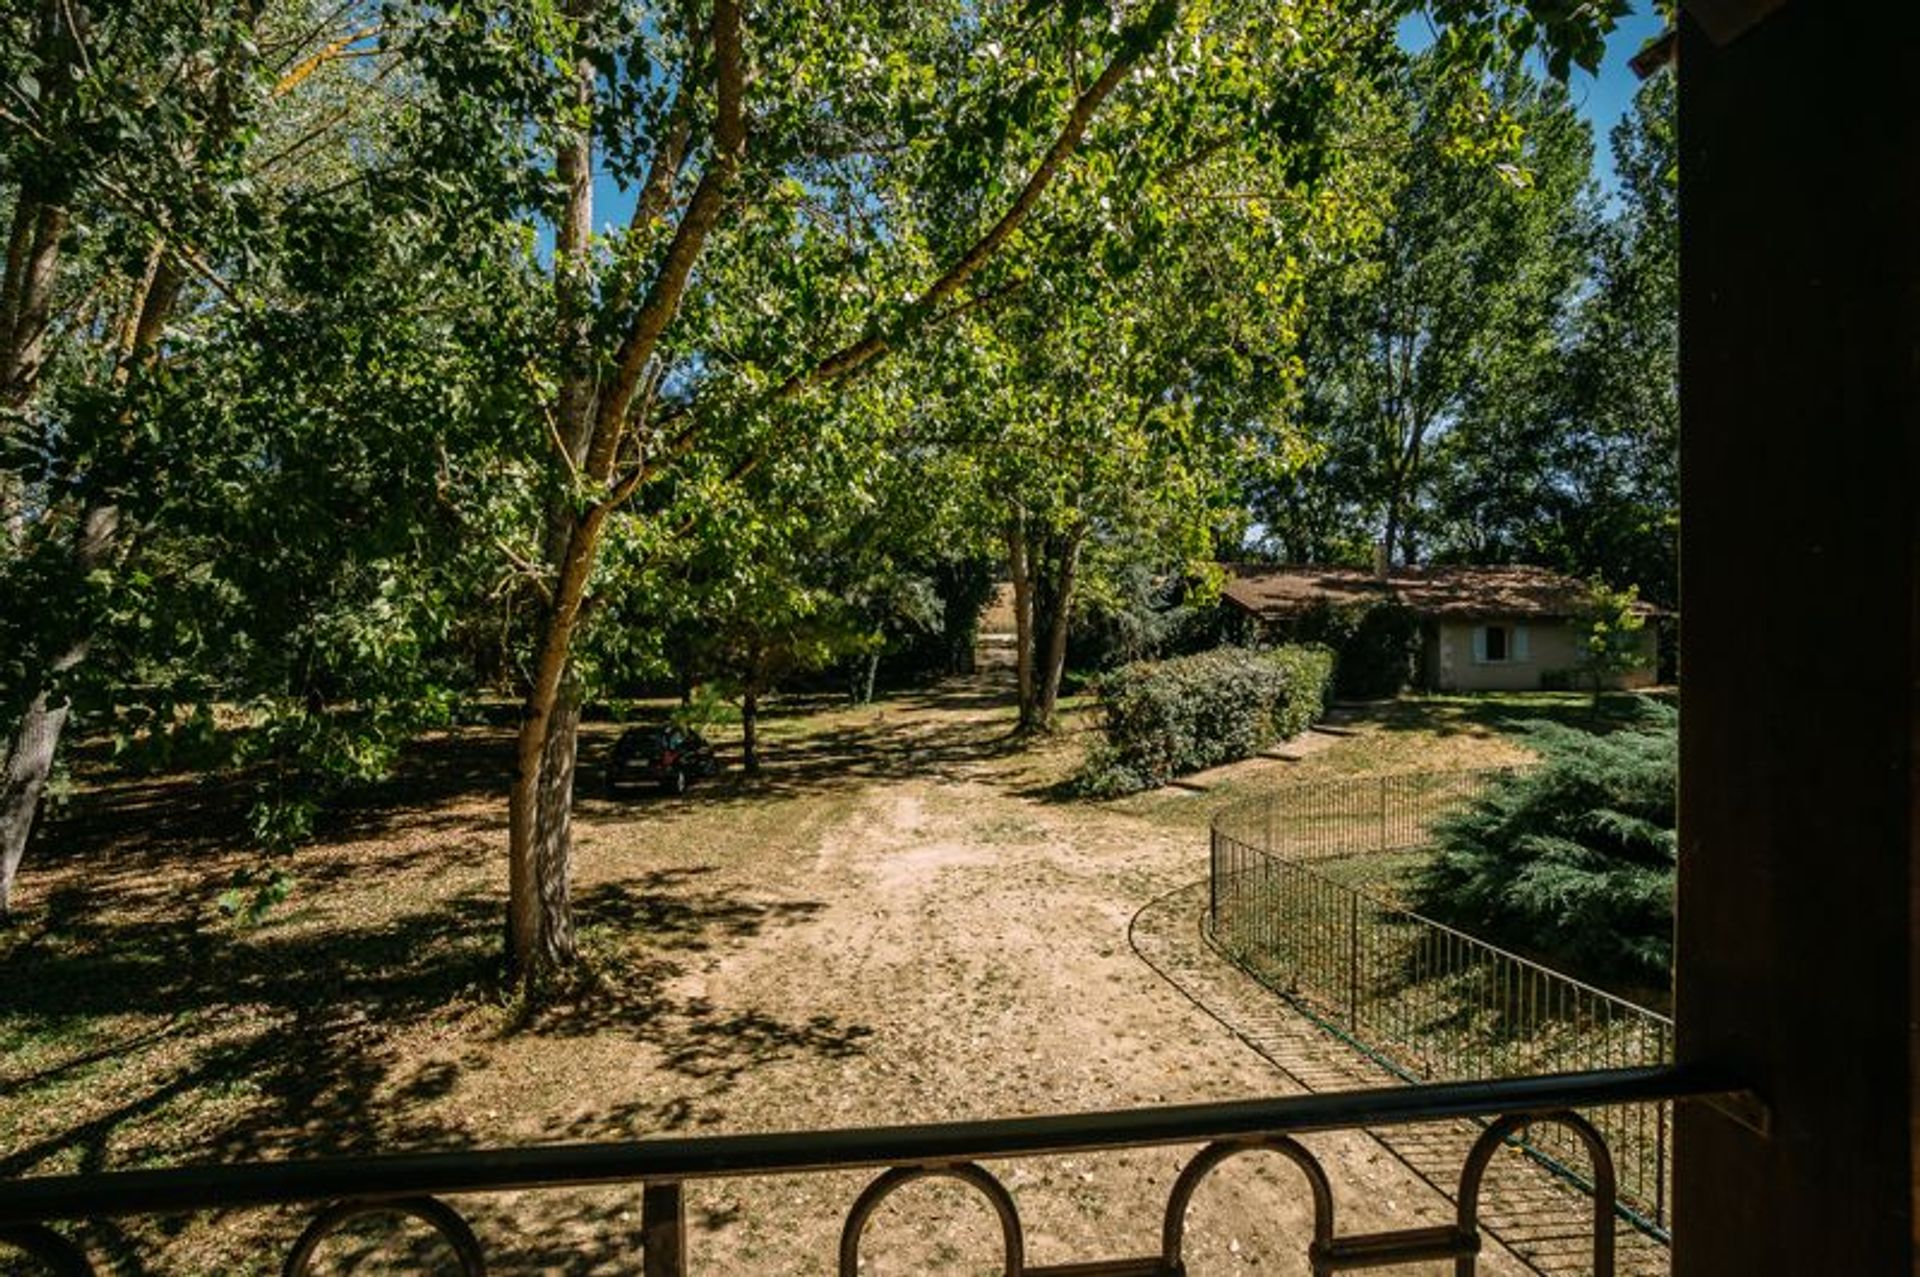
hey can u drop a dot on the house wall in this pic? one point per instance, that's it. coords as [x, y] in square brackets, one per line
[1552, 647]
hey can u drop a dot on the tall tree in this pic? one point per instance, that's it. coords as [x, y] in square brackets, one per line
[1450, 318]
[821, 217]
[142, 153]
[612, 432]
[1576, 466]
[1622, 518]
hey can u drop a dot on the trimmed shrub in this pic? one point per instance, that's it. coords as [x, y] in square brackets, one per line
[1162, 719]
[1572, 861]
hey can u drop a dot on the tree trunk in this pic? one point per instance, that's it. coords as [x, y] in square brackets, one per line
[29, 763]
[540, 805]
[30, 754]
[750, 729]
[26, 297]
[553, 834]
[861, 678]
[36, 738]
[1020, 569]
[40, 219]
[1390, 535]
[540, 841]
[1058, 625]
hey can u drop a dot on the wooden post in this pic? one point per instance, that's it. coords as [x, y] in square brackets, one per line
[1800, 352]
[663, 1230]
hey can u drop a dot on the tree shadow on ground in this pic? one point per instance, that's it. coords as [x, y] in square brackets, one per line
[291, 1031]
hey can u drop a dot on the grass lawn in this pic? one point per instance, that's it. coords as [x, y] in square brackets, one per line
[904, 918]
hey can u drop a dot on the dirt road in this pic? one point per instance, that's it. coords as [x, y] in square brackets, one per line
[903, 921]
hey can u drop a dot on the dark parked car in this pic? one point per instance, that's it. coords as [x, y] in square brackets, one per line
[665, 756]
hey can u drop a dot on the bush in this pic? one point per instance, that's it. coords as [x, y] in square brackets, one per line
[1573, 860]
[1162, 719]
[1373, 642]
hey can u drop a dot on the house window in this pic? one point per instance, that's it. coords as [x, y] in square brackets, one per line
[1499, 644]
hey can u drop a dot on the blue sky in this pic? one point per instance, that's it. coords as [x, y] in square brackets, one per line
[1605, 97]
[1602, 98]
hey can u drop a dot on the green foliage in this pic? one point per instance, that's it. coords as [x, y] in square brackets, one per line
[1571, 861]
[1610, 626]
[1139, 614]
[1579, 469]
[1437, 331]
[1162, 719]
[1374, 645]
[256, 892]
[706, 708]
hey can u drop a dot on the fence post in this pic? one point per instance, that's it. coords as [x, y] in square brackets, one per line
[1383, 815]
[663, 1230]
[1213, 880]
[1353, 961]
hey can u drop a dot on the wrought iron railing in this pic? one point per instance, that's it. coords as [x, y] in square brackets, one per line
[1353, 816]
[1426, 1001]
[416, 1185]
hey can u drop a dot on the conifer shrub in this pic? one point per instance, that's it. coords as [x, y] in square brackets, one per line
[1572, 861]
[1162, 719]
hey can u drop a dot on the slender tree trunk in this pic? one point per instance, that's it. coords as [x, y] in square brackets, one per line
[750, 728]
[40, 219]
[1390, 535]
[27, 287]
[551, 864]
[26, 297]
[540, 804]
[1058, 625]
[861, 678]
[30, 762]
[36, 738]
[1020, 569]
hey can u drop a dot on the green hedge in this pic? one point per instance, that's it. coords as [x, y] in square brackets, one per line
[1162, 719]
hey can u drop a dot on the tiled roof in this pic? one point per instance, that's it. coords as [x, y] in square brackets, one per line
[1453, 593]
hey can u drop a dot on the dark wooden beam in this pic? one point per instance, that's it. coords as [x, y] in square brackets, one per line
[1800, 358]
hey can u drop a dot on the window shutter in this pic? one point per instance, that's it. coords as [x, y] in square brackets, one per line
[1519, 643]
[1480, 644]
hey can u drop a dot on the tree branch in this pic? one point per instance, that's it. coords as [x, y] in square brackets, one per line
[669, 286]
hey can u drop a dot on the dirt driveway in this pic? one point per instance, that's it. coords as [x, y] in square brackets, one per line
[903, 921]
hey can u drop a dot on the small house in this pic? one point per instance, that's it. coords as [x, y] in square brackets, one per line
[1507, 628]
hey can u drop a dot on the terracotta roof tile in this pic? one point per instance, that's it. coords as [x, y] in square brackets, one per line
[1453, 593]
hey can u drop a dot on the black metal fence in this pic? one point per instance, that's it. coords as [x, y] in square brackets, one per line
[348, 1190]
[1427, 1001]
[1325, 820]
